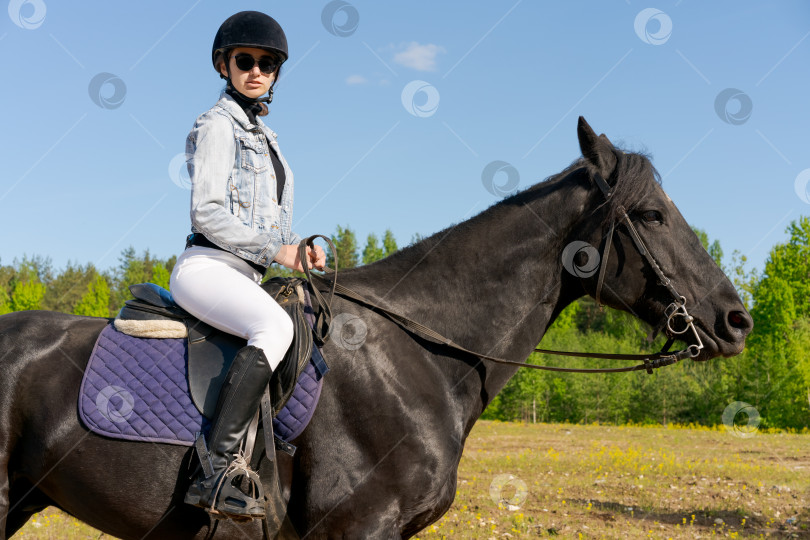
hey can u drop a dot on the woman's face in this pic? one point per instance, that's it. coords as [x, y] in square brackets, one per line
[252, 83]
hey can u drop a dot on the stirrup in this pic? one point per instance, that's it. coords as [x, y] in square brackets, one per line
[218, 496]
[231, 502]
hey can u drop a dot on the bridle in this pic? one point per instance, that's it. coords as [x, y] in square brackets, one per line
[674, 312]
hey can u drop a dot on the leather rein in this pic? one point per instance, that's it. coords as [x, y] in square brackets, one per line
[647, 362]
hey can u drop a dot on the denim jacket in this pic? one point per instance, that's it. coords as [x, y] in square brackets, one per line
[233, 184]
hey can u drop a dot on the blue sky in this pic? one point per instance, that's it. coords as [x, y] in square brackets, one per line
[89, 162]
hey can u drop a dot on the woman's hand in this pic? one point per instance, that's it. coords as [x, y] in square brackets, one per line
[288, 256]
[317, 257]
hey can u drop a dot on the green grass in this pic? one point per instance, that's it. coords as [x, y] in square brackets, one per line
[575, 481]
[628, 482]
[53, 524]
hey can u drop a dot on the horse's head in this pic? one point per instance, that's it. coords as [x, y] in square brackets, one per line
[624, 188]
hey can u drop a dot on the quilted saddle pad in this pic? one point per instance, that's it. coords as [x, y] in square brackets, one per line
[137, 389]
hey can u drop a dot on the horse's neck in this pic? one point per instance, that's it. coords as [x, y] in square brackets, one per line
[491, 284]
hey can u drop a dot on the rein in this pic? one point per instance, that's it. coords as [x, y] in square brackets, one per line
[648, 362]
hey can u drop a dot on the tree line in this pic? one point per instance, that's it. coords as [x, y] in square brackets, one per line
[32, 282]
[772, 374]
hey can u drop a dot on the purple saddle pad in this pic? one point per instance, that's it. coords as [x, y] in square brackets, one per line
[137, 389]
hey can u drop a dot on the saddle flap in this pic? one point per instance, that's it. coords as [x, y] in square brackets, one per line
[198, 330]
[282, 382]
[211, 352]
[208, 362]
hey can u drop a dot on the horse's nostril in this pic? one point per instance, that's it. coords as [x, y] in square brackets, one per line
[739, 320]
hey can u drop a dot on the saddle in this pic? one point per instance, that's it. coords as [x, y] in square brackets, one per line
[154, 313]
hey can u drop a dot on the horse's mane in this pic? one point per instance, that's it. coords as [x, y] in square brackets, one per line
[635, 177]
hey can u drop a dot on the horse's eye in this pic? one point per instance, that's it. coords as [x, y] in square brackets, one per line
[652, 216]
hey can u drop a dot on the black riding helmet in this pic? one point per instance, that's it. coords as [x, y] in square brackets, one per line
[249, 29]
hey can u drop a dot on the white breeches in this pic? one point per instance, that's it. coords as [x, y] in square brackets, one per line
[223, 291]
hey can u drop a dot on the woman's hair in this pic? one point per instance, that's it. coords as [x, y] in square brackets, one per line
[225, 56]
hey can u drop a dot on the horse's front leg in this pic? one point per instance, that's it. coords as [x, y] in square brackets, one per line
[24, 500]
[5, 503]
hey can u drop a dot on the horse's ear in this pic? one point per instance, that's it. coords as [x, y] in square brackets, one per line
[598, 151]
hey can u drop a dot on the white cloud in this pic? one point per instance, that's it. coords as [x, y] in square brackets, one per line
[419, 57]
[356, 79]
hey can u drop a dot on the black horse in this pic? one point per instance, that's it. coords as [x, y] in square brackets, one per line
[380, 458]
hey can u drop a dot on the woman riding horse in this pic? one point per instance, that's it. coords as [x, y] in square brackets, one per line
[241, 217]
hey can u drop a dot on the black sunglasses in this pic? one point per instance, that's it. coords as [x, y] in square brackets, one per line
[267, 64]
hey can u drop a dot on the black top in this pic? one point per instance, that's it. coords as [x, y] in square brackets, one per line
[251, 109]
[281, 176]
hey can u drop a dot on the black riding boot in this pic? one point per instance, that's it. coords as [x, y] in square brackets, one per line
[216, 488]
